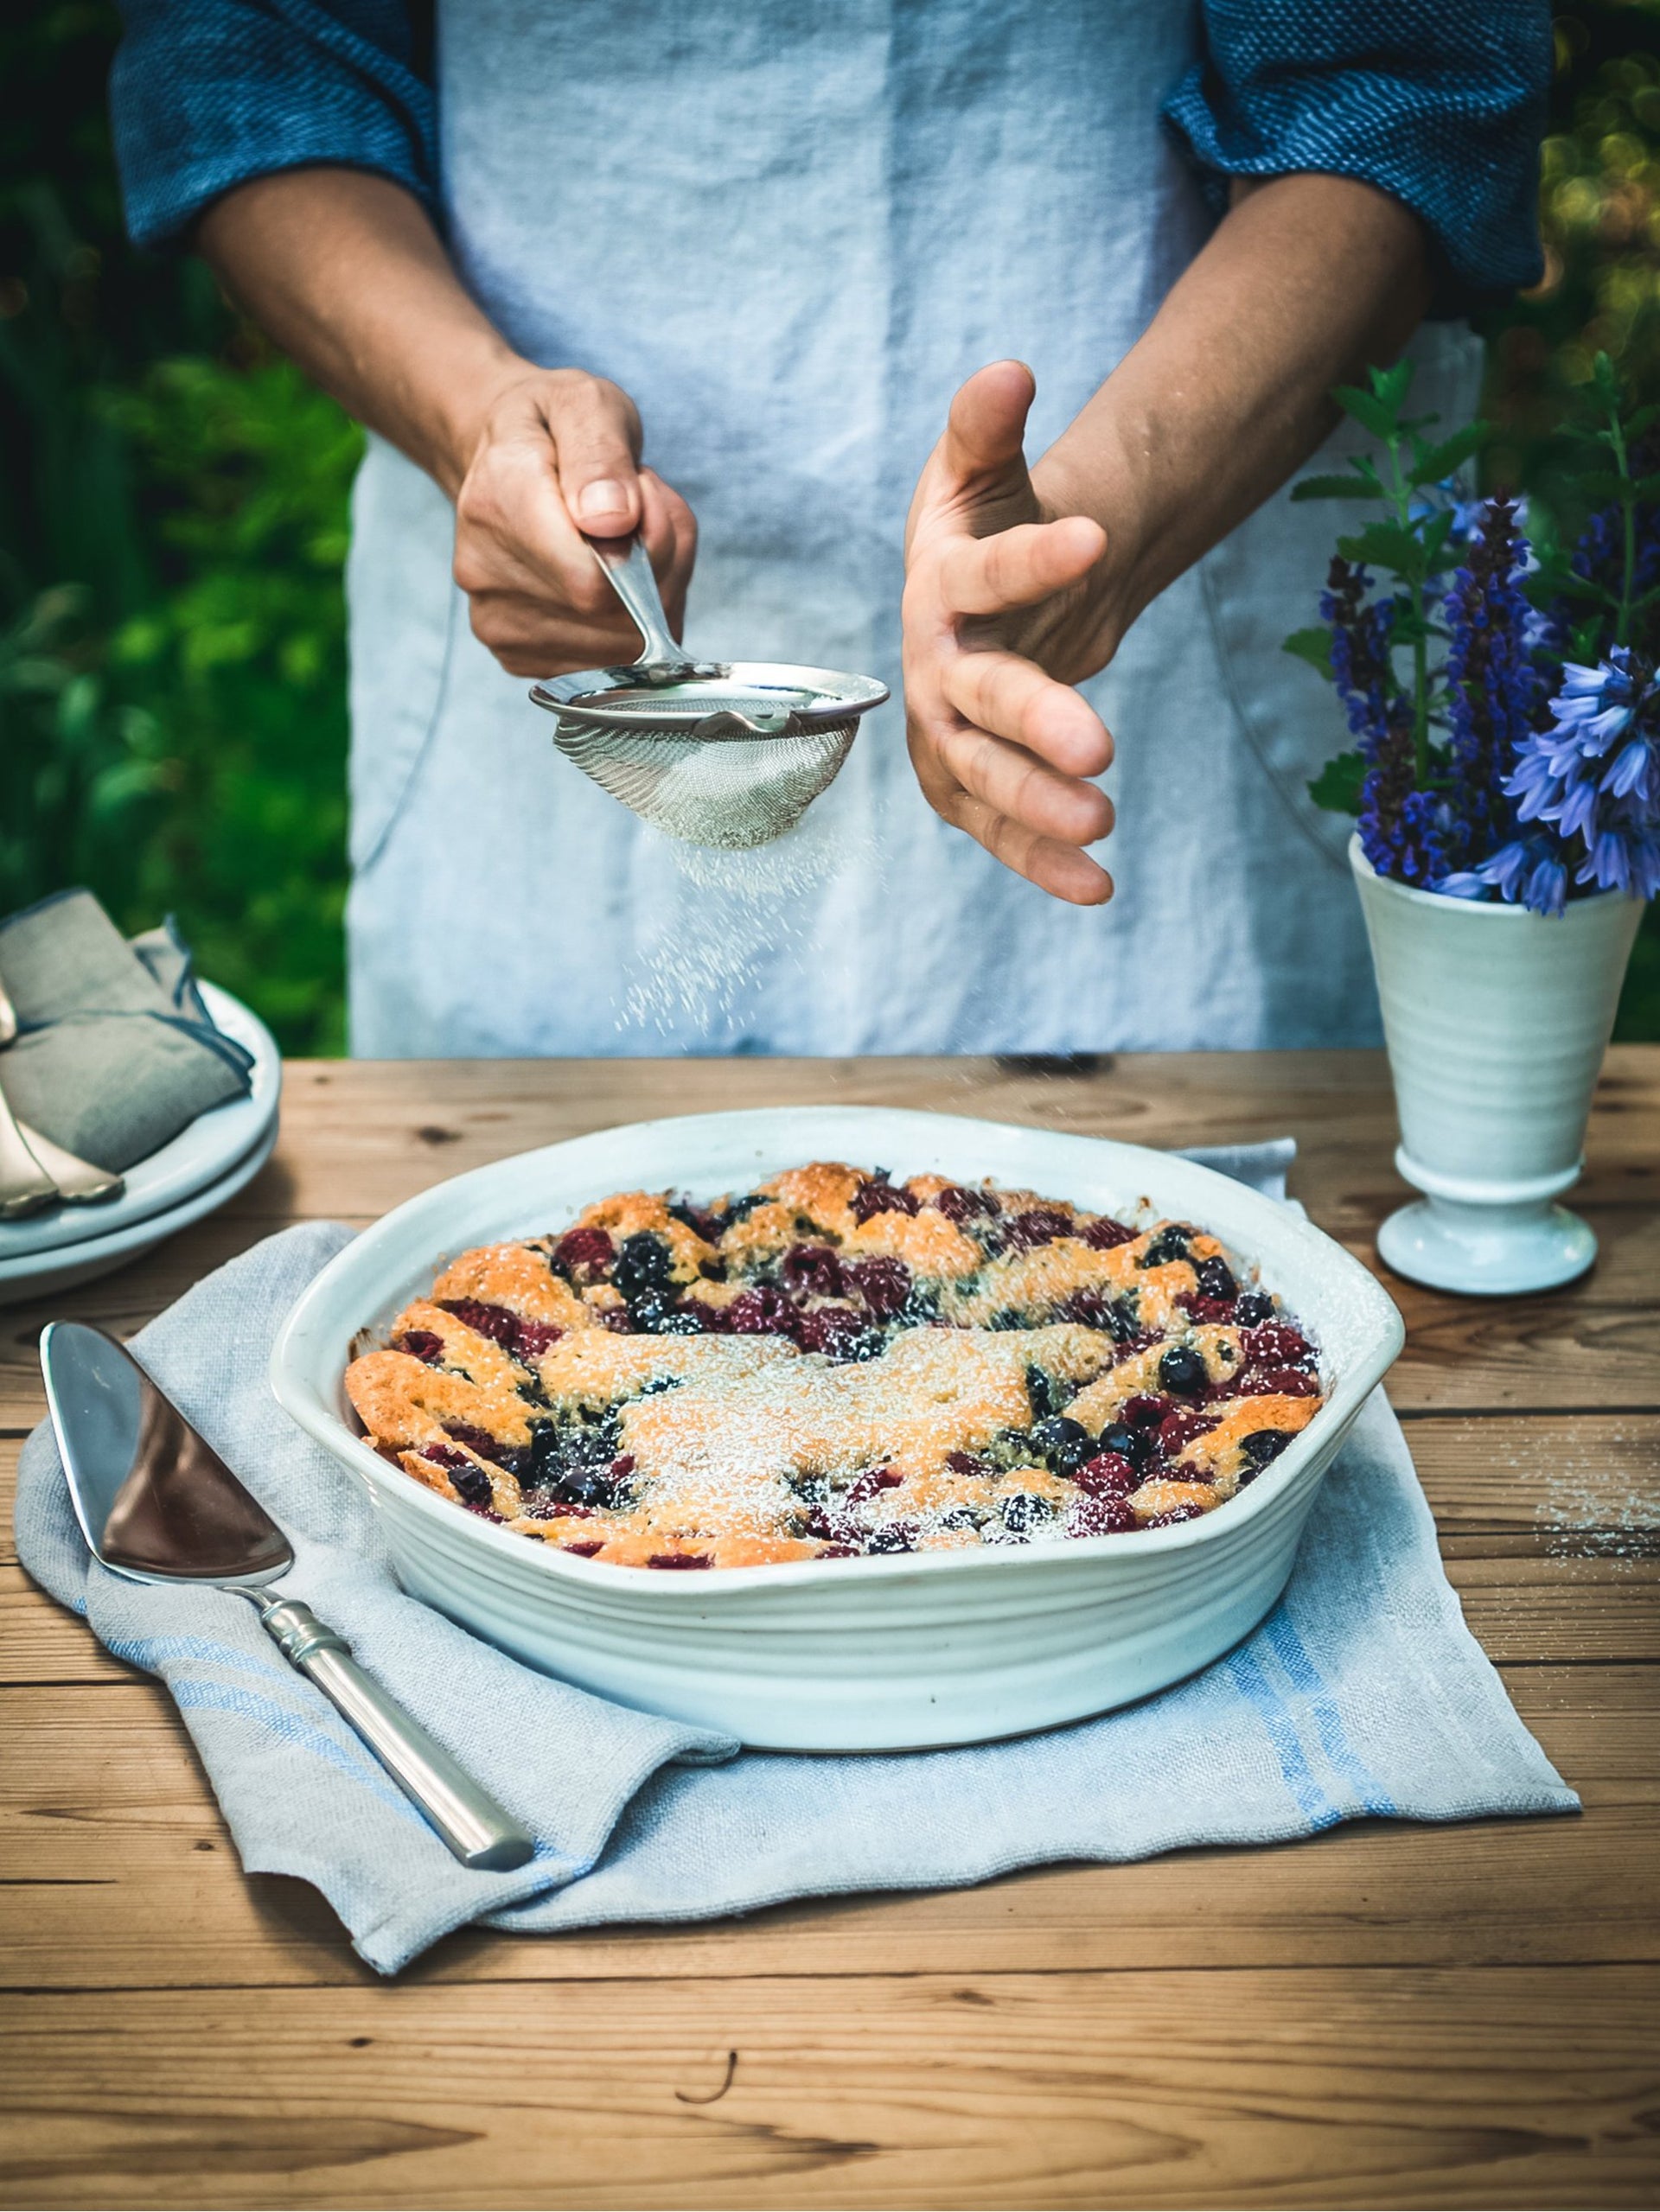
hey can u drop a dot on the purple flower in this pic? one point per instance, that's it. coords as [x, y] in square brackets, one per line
[1594, 777]
[1493, 689]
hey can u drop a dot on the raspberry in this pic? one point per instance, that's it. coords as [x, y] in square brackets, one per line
[1278, 1382]
[585, 1550]
[813, 1268]
[964, 1463]
[1144, 1412]
[494, 1322]
[420, 1344]
[584, 1251]
[879, 1195]
[1177, 1430]
[1041, 1224]
[1106, 1515]
[874, 1479]
[1103, 1233]
[1108, 1475]
[958, 1205]
[1276, 1344]
[762, 1311]
[679, 1559]
[531, 1338]
[884, 1285]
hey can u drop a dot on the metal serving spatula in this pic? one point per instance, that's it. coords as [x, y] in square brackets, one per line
[156, 1502]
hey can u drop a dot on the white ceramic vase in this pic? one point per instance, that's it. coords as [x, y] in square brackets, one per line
[1497, 1020]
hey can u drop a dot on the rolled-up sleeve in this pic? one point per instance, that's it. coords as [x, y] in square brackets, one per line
[1440, 103]
[204, 94]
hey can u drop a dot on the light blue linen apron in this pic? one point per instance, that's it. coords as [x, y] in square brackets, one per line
[790, 228]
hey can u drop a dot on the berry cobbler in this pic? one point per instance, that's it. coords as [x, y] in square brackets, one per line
[836, 1364]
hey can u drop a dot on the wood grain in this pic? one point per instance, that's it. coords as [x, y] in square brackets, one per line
[132, 1881]
[1386, 2014]
[1160, 2088]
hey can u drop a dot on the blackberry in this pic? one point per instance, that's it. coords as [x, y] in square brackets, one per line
[645, 1263]
[1023, 1512]
[1252, 1308]
[1216, 1280]
[1046, 1394]
[1172, 1243]
[1261, 1448]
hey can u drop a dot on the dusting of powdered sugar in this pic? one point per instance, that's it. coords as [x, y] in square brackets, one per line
[744, 913]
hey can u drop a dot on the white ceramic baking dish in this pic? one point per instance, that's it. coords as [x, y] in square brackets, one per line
[878, 1653]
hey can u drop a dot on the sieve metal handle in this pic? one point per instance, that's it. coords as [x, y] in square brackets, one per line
[627, 564]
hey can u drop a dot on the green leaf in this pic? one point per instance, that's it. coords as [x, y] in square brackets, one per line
[1388, 546]
[1336, 788]
[1604, 484]
[1644, 419]
[1370, 411]
[1648, 488]
[1606, 380]
[1431, 463]
[1336, 488]
[1312, 645]
[1392, 385]
[1585, 640]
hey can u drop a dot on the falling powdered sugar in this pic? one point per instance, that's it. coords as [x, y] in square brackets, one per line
[744, 912]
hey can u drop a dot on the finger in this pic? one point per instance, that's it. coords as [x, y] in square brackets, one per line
[1015, 782]
[988, 421]
[531, 638]
[671, 535]
[1019, 567]
[596, 433]
[1014, 698]
[1054, 866]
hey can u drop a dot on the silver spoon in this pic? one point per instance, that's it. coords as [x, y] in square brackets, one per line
[156, 1503]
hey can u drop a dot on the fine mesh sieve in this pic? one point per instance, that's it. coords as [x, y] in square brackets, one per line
[728, 754]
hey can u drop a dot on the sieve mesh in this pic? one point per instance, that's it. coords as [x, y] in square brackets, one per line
[728, 791]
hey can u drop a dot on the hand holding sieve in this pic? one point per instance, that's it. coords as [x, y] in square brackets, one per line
[720, 753]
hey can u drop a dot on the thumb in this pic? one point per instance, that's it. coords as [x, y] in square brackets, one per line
[597, 441]
[987, 422]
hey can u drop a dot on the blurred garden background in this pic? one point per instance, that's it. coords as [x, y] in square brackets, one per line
[173, 519]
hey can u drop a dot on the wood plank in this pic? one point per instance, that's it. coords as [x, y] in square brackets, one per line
[1173, 2089]
[116, 1870]
[1586, 1482]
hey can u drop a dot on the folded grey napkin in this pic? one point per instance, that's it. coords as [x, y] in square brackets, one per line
[1361, 1693]
[116, 1052]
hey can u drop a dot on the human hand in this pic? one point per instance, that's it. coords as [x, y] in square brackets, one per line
[1004, 611]
[555, 455]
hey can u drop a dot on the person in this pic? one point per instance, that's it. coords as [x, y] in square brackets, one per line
[716, 273]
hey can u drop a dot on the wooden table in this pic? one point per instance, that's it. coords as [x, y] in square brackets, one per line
[1388, 2014]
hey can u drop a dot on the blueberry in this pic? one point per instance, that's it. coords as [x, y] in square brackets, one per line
[472, 1487]
[1261, 1448]
[1023, 1512]
[1183, 1371]
[1065, 1444]
[1133, 1444]
[1253, 1310]
[962, 1517]
[1216, 1280]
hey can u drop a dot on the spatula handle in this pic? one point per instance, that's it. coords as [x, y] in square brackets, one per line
[479, 1832]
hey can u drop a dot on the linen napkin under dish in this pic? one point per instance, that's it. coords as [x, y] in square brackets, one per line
[1361, 1693]
[116, 1052]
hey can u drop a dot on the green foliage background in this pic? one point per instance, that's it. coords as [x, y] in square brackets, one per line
[173, 519]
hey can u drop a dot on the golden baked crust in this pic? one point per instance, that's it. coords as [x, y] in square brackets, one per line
[835, 1364]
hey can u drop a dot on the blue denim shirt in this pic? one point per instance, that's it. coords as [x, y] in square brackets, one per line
[1440, 103]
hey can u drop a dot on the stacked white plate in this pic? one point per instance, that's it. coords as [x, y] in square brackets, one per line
[204, 1165]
